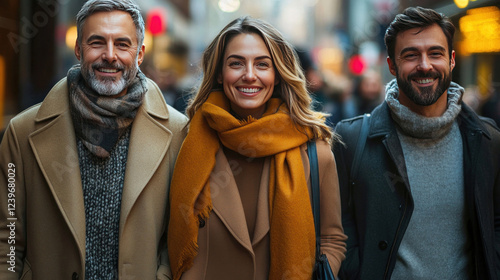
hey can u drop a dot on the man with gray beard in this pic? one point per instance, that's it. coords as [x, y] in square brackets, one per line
[424, 202]
[85, 175]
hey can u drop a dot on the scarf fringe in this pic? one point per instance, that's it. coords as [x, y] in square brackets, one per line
[186, 259]
[190, 250]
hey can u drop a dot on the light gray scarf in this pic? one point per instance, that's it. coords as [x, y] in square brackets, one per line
[418, 126]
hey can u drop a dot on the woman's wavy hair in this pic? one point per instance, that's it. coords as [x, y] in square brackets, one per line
[292, 83]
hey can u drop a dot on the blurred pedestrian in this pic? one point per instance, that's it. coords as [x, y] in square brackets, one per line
[424, 202]
[368, 93]
[314, 81]
[340, 104]
[85, 174]
[169, 73]
[491, 108]
[240, 203]
[333, 108]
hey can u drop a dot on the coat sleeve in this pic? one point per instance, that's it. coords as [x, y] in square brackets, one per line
[496, 202]
[350, 266]
[332, 233]
[12, 206]
[497, 223]
[494, 167]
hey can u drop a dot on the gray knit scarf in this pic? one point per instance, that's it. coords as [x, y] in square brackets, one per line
[418, 126]
[100, 120]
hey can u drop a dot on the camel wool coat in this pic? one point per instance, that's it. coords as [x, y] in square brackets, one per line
[39, 151]
[226, 250]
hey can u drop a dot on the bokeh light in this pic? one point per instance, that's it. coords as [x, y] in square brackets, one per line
[71, 35]
[461, 3]
[229, 6]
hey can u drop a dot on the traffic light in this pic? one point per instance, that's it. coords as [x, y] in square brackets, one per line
[156, 21]
[357, 64]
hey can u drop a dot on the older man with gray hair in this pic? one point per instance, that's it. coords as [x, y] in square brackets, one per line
[85, 174]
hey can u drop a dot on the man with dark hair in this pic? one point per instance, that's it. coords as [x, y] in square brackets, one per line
[421, 197]
[85, 175]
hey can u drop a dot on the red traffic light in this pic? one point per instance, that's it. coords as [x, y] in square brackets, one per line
[156, 21]
[357, 65]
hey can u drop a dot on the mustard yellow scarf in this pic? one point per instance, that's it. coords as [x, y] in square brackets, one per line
[292, 234]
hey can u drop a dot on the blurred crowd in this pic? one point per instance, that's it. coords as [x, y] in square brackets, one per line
[341, 97]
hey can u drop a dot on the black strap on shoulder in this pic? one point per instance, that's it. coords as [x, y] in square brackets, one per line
[313, 162]
[363, 134]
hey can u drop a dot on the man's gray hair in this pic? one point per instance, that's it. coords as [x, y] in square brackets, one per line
[94, 6]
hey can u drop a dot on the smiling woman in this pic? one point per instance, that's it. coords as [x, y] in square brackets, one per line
[248, 77]
[246, 214]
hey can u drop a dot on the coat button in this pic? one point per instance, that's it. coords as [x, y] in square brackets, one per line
[201, 223]
[382, 245]
[74, 276]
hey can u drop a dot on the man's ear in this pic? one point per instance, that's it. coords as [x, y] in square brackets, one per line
[452, 60]
[77, 50]
[392, 66]
[140, 56]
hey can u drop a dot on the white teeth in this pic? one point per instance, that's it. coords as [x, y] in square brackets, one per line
[106, 70]
[249, 90]
[424, 81]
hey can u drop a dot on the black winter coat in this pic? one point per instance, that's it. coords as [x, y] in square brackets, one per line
[377, 204]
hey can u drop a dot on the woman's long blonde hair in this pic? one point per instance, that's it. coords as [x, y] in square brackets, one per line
[291, 88]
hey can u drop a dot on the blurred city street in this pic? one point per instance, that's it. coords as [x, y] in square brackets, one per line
[339, 42]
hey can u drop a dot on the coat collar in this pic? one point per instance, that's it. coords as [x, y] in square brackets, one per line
[56, 103]
[149, 143]
[381, 121]
[54, 147]
[383, 126]
[470, 121]
[228, 207]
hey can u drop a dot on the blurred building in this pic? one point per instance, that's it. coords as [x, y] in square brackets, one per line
[38, 39]
[477, 43]
[343, 37]
[477, 46]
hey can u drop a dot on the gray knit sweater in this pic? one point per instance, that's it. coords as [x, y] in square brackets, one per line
[102, 182]
[435, 244]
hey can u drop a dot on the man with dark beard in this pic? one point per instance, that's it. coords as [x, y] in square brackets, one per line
[421, 197]
[85, 175]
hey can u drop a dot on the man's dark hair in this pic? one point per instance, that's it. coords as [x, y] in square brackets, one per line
[417, 17]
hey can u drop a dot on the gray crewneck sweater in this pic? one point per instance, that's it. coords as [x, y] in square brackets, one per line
[435, 244]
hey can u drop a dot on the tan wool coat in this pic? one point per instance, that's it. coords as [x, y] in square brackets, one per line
[226, 249]
[49, 215]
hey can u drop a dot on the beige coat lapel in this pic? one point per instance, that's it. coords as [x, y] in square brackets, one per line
[226, 201]
[149, 142]
[54, 147]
